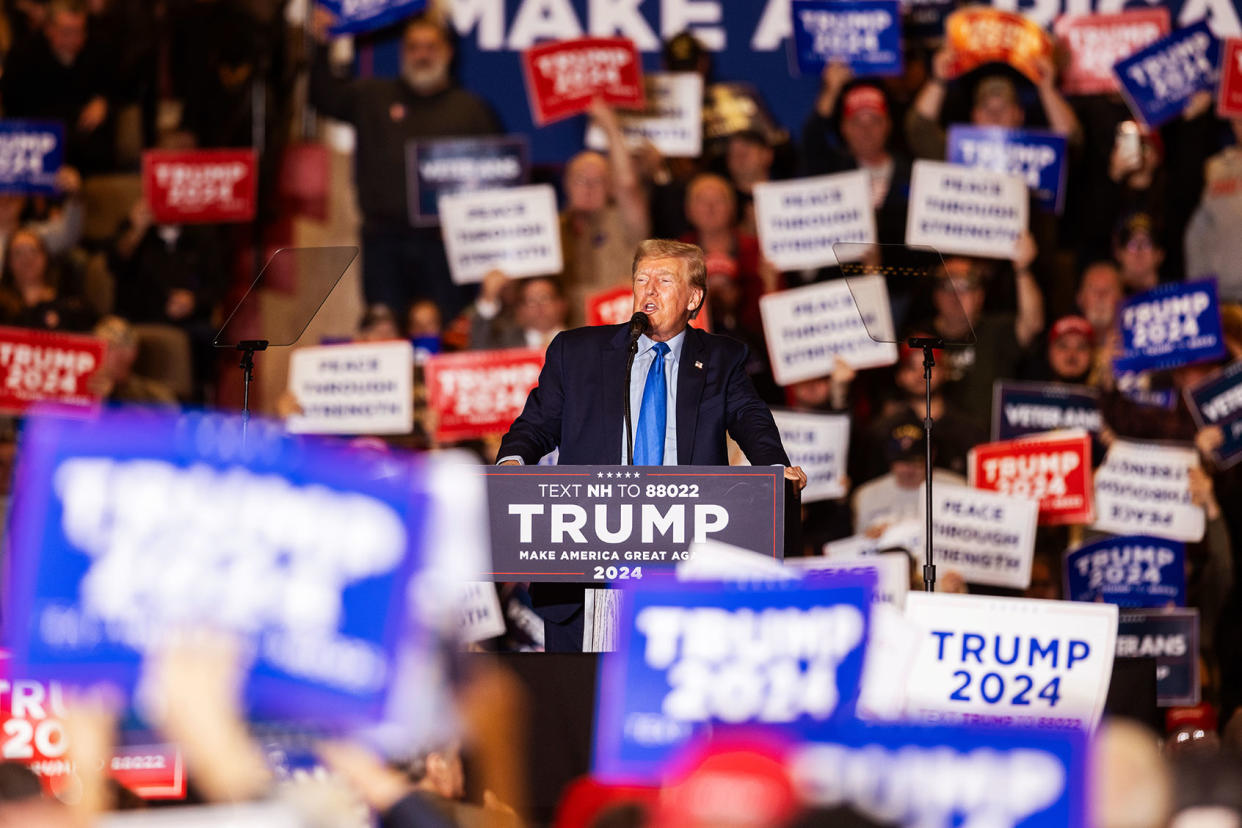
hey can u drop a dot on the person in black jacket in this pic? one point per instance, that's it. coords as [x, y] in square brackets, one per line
[401, 263]
[850, 129]
[60, 74]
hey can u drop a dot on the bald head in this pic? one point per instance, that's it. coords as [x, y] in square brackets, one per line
[588, 182]
[1099, 294]
[710, 204]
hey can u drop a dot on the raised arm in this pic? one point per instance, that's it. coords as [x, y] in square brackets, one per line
[628, 190]
[924, 134]
[332, 95]
[1030, 320]
[1061, 116]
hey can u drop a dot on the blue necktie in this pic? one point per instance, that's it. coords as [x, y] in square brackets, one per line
[652, 417]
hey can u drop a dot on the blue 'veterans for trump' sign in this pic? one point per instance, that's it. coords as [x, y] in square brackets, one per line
[1217, 401]
[787, 655]
[137, 524]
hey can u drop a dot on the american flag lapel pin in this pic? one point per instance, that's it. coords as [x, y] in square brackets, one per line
[698, 364]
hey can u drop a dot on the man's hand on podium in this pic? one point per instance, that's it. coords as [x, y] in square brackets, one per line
[508, 463]
[798, 477]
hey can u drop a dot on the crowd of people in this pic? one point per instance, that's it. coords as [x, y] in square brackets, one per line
[124, 76]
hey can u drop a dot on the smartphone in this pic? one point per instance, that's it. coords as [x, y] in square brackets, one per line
[1129, 145]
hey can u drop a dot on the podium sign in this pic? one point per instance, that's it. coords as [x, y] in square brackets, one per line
[620, 523]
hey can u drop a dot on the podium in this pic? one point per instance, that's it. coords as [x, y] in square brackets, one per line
[610, 524]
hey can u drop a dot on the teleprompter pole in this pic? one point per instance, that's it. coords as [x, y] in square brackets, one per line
[928, 346]
[248, 348]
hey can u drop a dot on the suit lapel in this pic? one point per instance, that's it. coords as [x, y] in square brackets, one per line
[691, 375]
[611, 415]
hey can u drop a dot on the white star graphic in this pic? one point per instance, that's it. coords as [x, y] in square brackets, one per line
[599, 474]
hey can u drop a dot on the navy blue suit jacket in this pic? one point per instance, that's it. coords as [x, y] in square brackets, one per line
[579, 403]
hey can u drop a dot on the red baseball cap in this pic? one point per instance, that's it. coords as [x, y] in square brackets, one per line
[861, 99]
[1072, 325]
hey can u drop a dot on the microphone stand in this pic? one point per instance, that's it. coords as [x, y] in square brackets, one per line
[927, 344]
[629, 425]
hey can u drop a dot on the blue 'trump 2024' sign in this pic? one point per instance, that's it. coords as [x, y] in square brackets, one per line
[1129, 570]
[135, 524]
[1038, 156]
[31, 153]
[1171, 325]
[1160, 79]
[865, 34]
[787, 655]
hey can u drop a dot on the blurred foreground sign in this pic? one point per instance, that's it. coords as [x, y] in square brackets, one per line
[1010, 661]
[923, 776]
[135, 525]
[785, 654]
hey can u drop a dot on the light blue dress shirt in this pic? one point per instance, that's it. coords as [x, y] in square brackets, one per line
[638, 379]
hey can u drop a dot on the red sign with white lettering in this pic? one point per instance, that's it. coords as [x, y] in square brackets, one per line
[32, 717]
[150, 771]
[200, 186]
[979, 35]
[40, 366]
[1229, 94]
[1054, 469]
[479, 393]
[1096, 41]
[563, 78]
[616, 305]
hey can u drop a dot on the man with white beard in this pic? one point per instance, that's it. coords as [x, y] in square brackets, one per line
[400, 264]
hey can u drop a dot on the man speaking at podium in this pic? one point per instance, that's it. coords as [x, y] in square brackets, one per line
[687, 389]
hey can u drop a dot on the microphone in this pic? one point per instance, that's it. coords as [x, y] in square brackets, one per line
[639, 323]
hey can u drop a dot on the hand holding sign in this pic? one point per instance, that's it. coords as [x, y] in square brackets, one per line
[979, 35]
